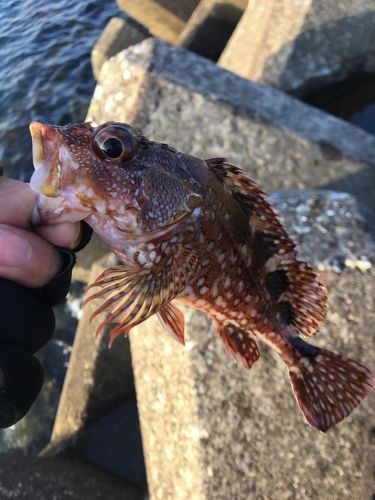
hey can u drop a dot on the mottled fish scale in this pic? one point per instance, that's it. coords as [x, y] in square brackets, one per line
[198, 231]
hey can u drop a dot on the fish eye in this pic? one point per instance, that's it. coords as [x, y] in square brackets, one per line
[115, 142]
[112, 147]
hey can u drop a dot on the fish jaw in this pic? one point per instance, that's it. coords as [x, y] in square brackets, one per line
[54, 180]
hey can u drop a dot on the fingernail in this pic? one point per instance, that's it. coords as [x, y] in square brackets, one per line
[14, 250]
[77, 237]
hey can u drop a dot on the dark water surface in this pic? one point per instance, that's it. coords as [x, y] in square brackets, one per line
[45, 71]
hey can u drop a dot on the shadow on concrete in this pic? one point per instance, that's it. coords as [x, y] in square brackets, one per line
[329, 54]
[210, 36]
[325, 54]
[112, 436]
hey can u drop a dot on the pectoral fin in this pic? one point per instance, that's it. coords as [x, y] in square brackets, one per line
[133, 295]
[173, 322]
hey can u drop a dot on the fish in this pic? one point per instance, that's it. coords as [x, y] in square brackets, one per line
[202, 232]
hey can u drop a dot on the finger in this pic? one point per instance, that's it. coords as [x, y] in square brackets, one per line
[16, 202]
[26, 258]
[66, 234]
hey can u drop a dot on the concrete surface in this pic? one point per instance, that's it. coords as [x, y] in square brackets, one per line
[117, 35]
[300, 45]
[86, 257]
[212, 429]
[177, 97]
[32, 478]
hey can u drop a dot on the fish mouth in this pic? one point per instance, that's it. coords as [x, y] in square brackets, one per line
[54, 180]
[47, 177]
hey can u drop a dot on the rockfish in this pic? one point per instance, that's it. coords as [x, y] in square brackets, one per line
[200, 231]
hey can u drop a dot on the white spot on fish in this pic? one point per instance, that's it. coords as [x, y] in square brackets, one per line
[214, 289]
[221, 257]
[100, 207]
[142, 259]
[220, 301]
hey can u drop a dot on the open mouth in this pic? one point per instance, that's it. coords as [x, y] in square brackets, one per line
[47, 176]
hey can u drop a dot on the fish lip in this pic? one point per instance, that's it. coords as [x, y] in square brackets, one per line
[47, 177]
[37, 144]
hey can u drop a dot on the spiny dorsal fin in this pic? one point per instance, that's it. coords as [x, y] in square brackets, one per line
[252, 199]
[133, 295]
[295, 293]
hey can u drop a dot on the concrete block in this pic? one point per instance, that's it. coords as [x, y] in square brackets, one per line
[299, 46]
[116, 36]
[162, 22]
[210, 27]
[97, 378]
[177, 97]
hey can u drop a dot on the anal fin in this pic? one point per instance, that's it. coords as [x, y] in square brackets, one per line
[239, 344]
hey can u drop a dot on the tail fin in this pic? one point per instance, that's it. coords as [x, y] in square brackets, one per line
[328, 386]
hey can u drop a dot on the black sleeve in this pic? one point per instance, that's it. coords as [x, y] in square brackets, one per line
[27, 323]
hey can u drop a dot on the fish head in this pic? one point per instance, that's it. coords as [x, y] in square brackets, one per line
[124, 185]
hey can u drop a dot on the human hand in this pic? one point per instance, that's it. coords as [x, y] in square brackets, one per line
[34, 275]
